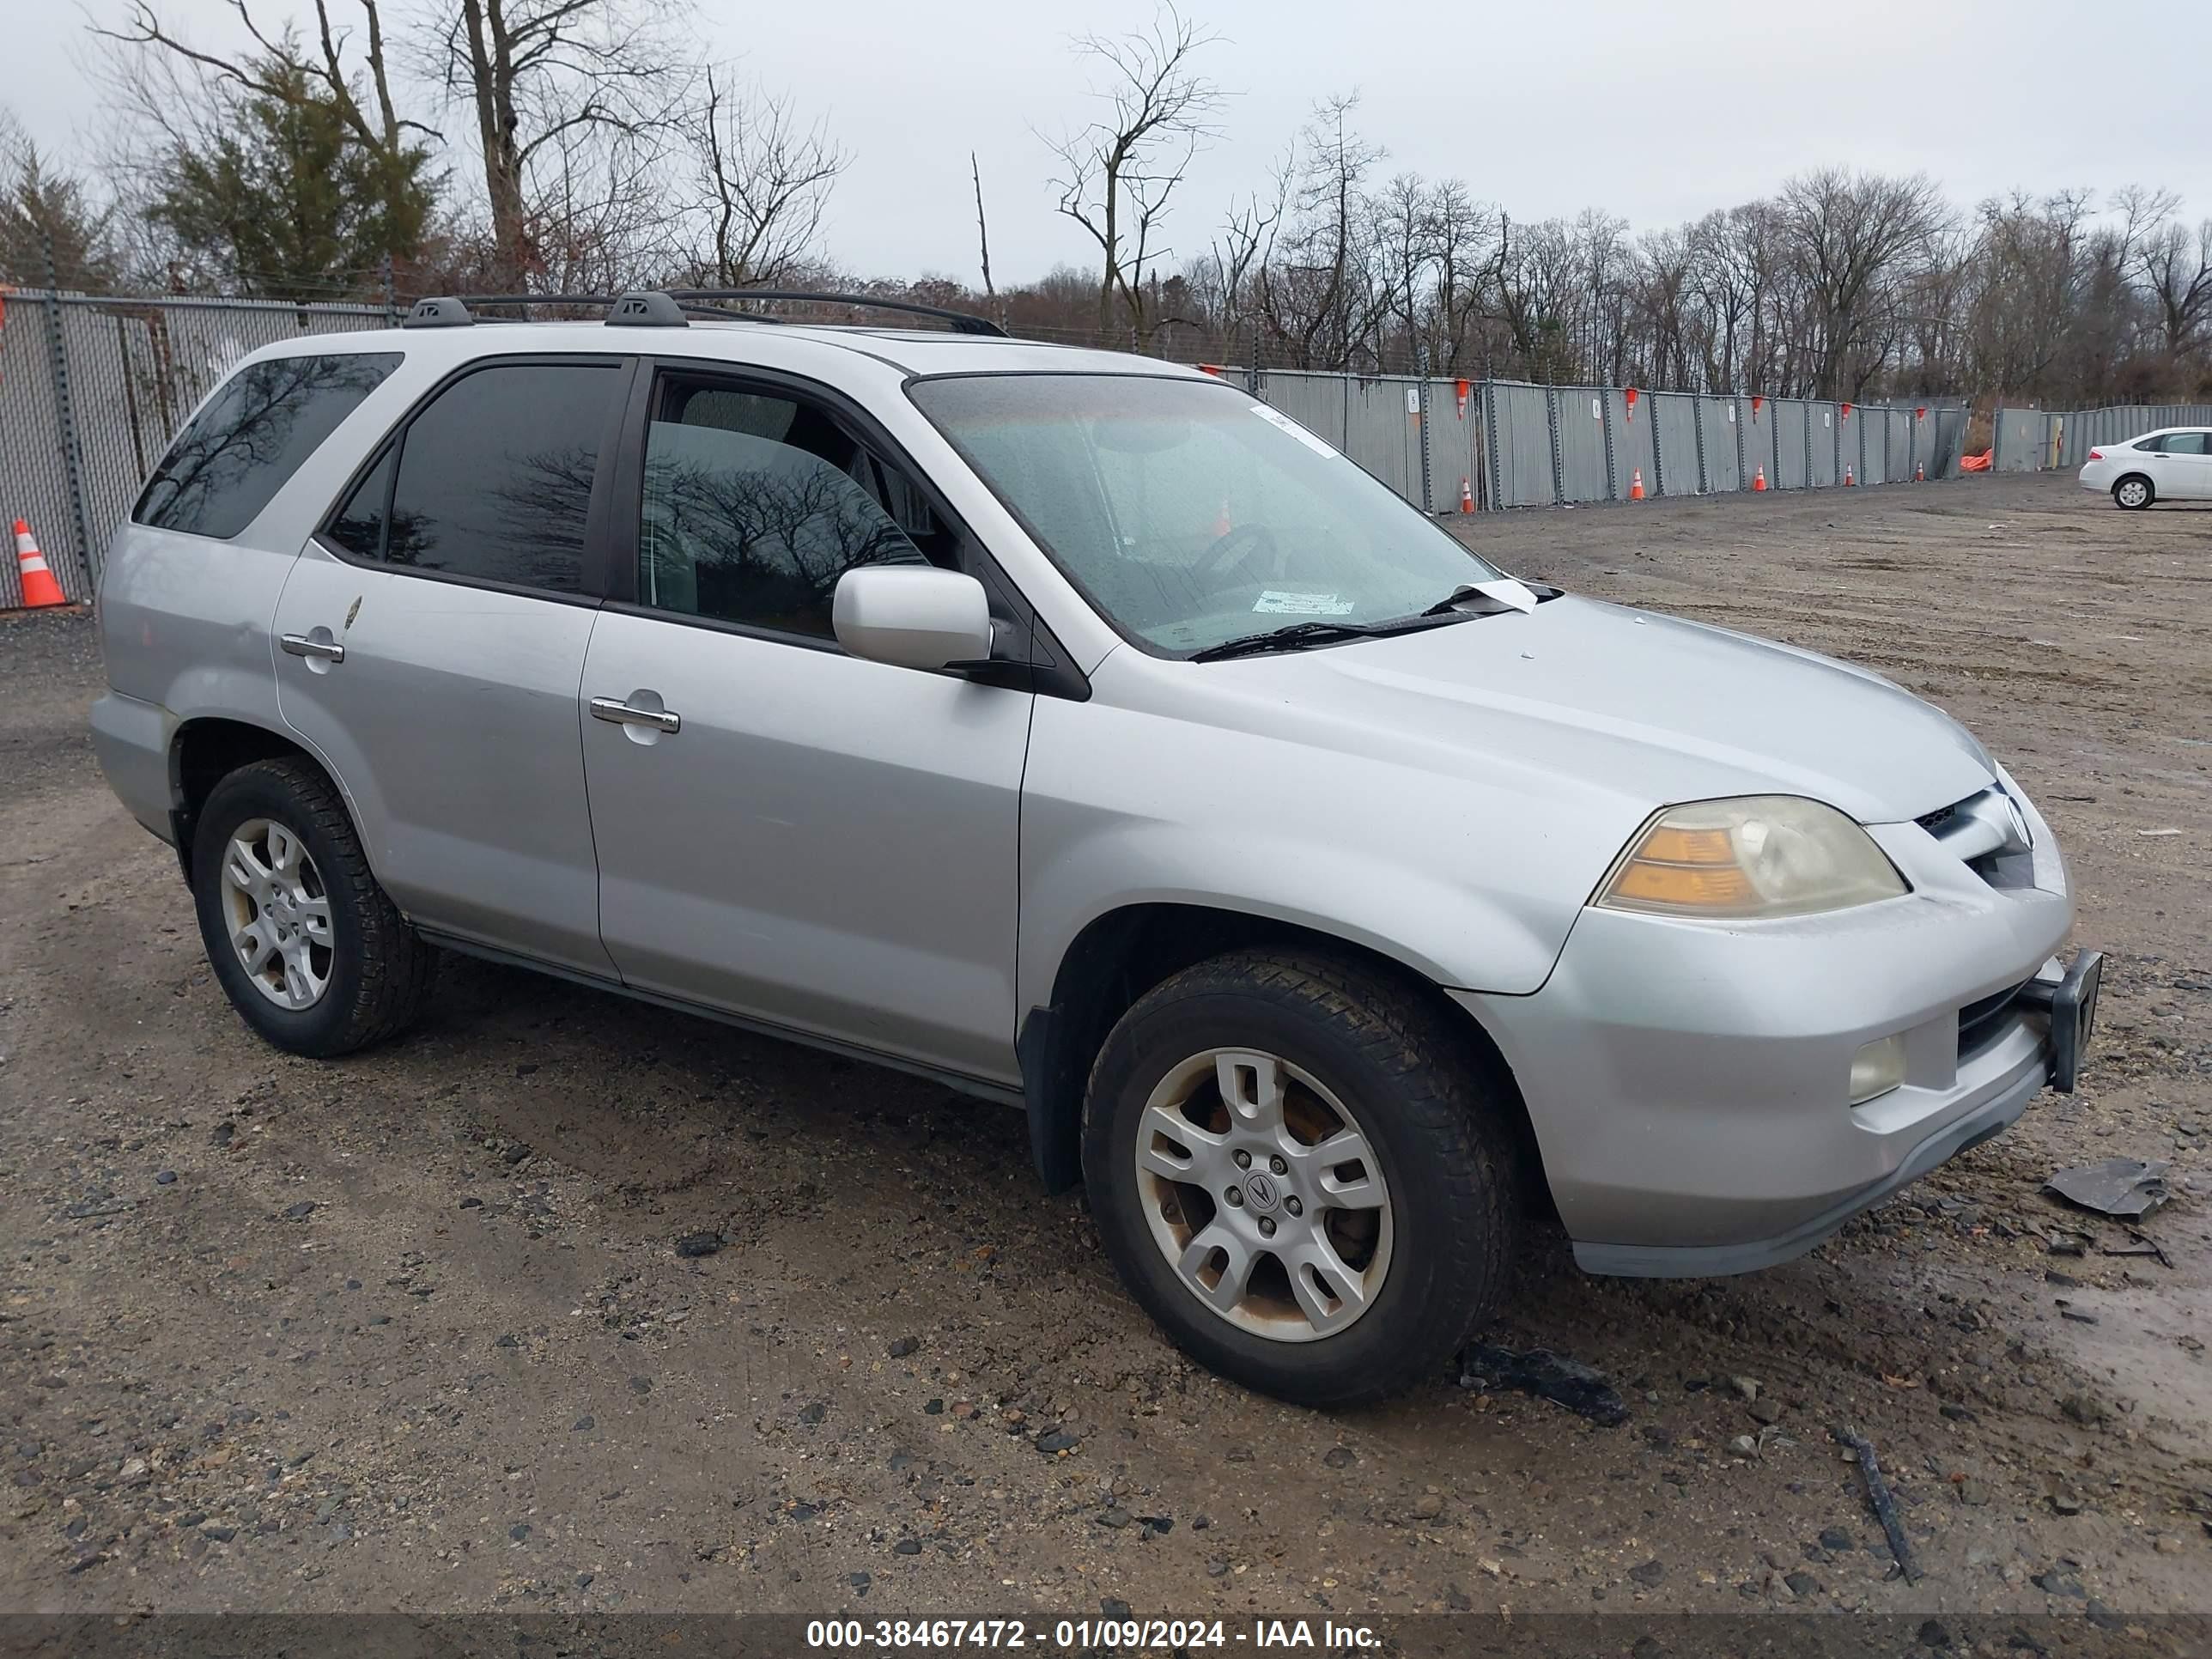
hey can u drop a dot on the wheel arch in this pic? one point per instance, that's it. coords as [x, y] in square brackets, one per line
[206, 751]
[1123, 953]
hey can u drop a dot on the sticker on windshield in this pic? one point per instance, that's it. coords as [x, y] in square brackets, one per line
[1273, 418]
[1273, 603]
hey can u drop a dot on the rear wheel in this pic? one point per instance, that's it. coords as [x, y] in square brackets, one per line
[1303, 1173]
[2134, 491]
[312, 953]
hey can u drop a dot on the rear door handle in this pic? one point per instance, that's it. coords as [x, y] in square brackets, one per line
[616, 712]
[299, 644]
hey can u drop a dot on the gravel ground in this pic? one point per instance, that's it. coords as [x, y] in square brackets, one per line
[420, 1330]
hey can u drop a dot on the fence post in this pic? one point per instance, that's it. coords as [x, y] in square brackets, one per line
[1558, 461]
[1612, 467]
[1421, 432]
[65, 418]
[1486, 408]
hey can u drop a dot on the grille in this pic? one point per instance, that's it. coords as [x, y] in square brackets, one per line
[1933, 822]
[1981, 1023]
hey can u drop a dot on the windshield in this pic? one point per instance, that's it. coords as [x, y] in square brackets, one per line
[1191, 515]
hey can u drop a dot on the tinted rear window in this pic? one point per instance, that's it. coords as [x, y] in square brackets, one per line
[254, 433]
[496, 475]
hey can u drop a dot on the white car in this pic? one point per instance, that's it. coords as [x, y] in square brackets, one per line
[2175, 465]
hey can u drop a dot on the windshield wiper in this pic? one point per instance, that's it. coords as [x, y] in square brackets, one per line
[1292, 636]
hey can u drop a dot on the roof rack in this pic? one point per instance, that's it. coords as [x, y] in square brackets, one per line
[655, 308]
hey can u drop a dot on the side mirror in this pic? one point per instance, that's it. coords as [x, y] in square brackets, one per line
[912, 617]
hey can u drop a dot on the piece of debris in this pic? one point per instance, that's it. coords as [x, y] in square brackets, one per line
[2143, 1245]
[698, 1244]
[2118, 1185]
[1884, 1506]
[1548, 1376]
[2147, 834]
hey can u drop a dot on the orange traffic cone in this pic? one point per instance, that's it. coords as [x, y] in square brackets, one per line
[1920, 472]
[1635, 485]
[1847, 474]
[1466, 497]
[1758, 482]
[40, 588]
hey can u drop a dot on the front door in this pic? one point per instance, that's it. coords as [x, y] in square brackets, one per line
[784, 831]
[2185, 470]
[432, 638]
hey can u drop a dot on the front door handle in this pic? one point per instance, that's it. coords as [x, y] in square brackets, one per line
[615, 711]
[300, 645]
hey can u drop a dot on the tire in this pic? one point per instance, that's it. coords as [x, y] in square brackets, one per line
[372, 972]
[1350, 1044]
[2136, 485]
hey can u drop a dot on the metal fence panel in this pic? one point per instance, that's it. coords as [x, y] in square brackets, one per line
[1791, 418]
[1720, 442]
[1452, 428]
[1755, 418]
[1382, 431]
[1822, 436]
[1584, 472]
[1864, 435]
[1897, 444]
[1633, 451]
[1674, 442]
[2022, 440]
[1521, 442]
[1315, 402]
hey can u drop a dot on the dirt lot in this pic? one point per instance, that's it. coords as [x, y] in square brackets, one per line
[411, 1332]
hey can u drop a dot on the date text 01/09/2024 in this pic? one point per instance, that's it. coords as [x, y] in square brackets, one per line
[1120, 1634]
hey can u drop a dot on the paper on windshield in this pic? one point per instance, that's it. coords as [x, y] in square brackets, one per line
[1274, 603]
[1276, 418]
[1506, 591]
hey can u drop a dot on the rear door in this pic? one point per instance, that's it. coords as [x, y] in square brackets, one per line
[432, 639]
[784, 831]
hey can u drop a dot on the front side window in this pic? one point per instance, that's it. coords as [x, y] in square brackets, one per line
[492, 480]
[2183, 443]
[1191, 515]
[755, 504]
[253, 435]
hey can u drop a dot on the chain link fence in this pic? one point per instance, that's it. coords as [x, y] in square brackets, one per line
[93, 387]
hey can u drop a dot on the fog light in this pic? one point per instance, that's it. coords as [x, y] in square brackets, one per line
[1878, 1067]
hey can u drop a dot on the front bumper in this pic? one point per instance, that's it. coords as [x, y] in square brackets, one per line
[1688, 1082]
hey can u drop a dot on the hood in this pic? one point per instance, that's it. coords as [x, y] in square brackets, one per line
[1633, 702]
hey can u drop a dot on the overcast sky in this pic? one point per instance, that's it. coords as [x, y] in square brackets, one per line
[1657, 114]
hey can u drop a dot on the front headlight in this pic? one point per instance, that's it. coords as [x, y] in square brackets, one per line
[1755, 855]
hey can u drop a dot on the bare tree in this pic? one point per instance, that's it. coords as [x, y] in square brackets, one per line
[540, 75]
[1118, 174]
[1850, 234]
[763, 184]
[983, 229]
[278, 68]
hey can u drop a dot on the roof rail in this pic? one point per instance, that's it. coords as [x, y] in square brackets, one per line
[659, 308]
[963, 322]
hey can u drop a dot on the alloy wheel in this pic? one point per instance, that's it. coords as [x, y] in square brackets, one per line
[1264, 1195]
[277, 913]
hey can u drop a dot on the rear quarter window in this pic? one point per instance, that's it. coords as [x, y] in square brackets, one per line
[253, 435]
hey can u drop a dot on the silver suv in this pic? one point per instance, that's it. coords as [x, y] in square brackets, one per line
[1078, 730]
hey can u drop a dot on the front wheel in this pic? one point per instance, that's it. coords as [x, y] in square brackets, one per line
[1304, 1174]
[2134, 492]
[313, 954]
